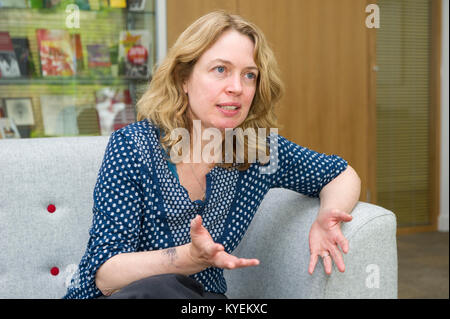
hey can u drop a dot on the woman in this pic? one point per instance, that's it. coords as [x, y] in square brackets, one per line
[166, 229]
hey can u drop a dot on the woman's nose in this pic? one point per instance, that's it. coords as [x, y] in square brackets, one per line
[234, 85]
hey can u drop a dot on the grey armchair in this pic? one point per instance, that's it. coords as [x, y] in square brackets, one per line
[45, 214]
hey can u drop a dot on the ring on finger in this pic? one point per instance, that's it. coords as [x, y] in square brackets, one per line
[325, 255]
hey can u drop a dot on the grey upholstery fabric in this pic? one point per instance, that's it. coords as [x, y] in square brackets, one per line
[278, 237]
[62, 171]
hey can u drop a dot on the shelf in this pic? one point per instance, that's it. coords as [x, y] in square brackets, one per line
[58, 80]
[61, 8]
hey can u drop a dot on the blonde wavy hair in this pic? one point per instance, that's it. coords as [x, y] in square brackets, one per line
[165, 103]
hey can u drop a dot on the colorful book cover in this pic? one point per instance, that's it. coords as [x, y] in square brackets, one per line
[23, 54]
[78, 50]
[9, 66]
[99, 61]
[134, 53]
[56, 52]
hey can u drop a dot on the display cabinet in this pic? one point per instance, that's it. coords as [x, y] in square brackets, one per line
[73, 68]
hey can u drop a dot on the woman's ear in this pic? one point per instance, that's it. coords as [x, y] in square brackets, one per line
[185, 87]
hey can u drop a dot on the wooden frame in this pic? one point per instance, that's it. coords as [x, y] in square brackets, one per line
[434, 122]
[371, 193]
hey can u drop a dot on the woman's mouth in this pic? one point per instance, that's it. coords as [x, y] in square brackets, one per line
[229, 108]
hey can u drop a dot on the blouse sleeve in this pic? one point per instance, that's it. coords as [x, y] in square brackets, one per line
[116, 215]
[303, 170]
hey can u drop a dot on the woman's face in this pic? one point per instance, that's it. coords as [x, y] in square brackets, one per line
[222, 83]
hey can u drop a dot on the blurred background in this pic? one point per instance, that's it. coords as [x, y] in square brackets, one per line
[365, 79]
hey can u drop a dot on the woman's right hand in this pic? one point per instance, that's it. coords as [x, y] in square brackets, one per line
[206, 253]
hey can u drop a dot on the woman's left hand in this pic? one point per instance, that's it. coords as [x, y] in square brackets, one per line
[324, 237]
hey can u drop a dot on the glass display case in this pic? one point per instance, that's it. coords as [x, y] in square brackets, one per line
[73, 67]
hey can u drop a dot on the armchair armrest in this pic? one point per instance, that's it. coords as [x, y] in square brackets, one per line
[279, 237]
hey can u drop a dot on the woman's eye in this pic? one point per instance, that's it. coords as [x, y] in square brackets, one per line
[251, 76]
[220, 69]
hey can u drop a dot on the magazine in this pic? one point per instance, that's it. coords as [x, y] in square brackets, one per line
[23, 54]
[134, 54]
[9, 66]
[99, 61]
[59, 114]
[56, 52]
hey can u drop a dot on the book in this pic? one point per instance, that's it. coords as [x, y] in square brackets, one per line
[56, 52]
[99, 61]
[23, 54]
[59, 115]
[9, 66]
[135, 59]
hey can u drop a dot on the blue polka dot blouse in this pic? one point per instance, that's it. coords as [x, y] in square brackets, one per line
[139, 204]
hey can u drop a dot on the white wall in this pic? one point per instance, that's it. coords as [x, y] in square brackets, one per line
[161, 30]
[444, 194]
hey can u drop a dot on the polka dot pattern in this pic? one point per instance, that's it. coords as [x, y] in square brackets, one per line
[139, 205]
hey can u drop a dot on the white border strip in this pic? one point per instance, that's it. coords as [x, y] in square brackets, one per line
[161, 29]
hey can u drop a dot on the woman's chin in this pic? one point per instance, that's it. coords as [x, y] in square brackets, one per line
[227, 124]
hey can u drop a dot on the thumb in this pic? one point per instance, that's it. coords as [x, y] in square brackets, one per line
[196, 225]
[344, 216]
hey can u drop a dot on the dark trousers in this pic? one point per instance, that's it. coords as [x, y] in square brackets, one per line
[166, 286]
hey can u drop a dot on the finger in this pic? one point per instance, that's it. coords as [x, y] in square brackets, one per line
[312, 263]
[337, 258]
[243, 262]
[343, 243]
[214, 248]
[227, 261]
[196, 225]
[197, 221]
[327, 264]
[219, 247]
